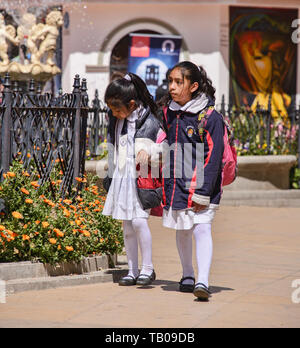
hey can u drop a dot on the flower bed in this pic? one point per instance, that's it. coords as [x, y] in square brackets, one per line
[37, 225]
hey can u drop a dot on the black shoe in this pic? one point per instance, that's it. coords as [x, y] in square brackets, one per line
[127, 281]
[144, 279]
[202, 292]
[186, 287]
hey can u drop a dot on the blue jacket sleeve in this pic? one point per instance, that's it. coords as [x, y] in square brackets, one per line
[213, 154]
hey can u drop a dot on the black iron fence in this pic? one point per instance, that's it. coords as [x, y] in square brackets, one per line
[46, 129]
[96, 126]
[263, 132]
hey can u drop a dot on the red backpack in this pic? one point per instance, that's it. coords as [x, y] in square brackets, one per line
[229, 161]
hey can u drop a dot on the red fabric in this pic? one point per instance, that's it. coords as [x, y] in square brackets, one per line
[192, 188]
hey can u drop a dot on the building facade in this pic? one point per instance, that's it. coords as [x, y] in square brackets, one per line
[249, 49]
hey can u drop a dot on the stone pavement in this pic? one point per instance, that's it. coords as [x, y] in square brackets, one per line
[256, 260]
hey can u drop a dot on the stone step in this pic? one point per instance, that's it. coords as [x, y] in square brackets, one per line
[25, 270]
[265, 198]
[42, 283]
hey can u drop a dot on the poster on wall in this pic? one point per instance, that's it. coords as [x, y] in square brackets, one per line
[150, 57]
[263, 59]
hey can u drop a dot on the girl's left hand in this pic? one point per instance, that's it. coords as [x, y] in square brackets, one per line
[142, 157]
[199, 207]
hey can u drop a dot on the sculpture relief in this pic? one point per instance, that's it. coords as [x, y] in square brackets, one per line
[7, 33]
[37, 47]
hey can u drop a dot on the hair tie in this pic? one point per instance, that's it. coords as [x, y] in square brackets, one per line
[127, 77]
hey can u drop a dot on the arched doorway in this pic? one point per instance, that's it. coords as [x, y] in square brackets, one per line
[119, 55]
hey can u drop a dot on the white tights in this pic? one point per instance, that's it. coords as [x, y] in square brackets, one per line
[204, 251]
[136, 232]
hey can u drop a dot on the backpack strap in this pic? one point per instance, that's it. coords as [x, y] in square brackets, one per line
[202, 118]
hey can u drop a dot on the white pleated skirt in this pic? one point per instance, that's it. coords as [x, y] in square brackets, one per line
[185, 219]
[122, 201]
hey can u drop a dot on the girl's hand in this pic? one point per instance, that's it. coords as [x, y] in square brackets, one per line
[199, 207]
[142, 157]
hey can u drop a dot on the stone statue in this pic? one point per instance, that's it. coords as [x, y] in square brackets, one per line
[37, 44]
[49, 35]
[7, 32]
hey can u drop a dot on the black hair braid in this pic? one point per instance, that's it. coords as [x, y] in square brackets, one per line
[206, 85]
[144, 95]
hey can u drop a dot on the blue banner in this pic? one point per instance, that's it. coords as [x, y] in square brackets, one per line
[150, 57]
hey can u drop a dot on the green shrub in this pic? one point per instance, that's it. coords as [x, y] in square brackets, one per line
[37, 226]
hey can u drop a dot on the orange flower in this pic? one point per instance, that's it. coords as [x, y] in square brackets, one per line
[2, 228]
[52, 241]
[26, 174]
[37, 222]
[25, 237]
[28, 155]
[69, 248]
[17, 215]
[11, 174]
[78, 179]
[49, 202]
[67, 213]
[97, 210]
[45, 224]
[35, 184]
[58, 232]
[23, 190]
[25, 226]
[79, 199]
[28, 201]
[86, 233]
[78, 222]
[67, 201]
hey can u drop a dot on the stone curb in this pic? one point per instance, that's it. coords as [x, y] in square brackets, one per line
[31, 284]
[26, 276]
[262, 198]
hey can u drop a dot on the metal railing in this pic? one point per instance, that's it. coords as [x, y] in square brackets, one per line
[46, 129]
[259, 133]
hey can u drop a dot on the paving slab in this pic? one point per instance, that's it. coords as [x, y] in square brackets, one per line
[256, 260]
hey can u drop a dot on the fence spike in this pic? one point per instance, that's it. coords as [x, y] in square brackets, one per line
[7, 81]
[76, 84]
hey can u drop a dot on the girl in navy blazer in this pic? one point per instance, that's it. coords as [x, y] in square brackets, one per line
[191, 197]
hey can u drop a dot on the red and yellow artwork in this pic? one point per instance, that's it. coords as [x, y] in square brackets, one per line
[263, 59]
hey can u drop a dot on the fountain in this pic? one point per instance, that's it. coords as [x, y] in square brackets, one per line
[35, 43]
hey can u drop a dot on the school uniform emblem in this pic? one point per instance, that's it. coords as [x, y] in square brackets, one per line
[190, 131]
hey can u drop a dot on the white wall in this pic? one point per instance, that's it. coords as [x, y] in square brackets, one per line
[89, 27]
